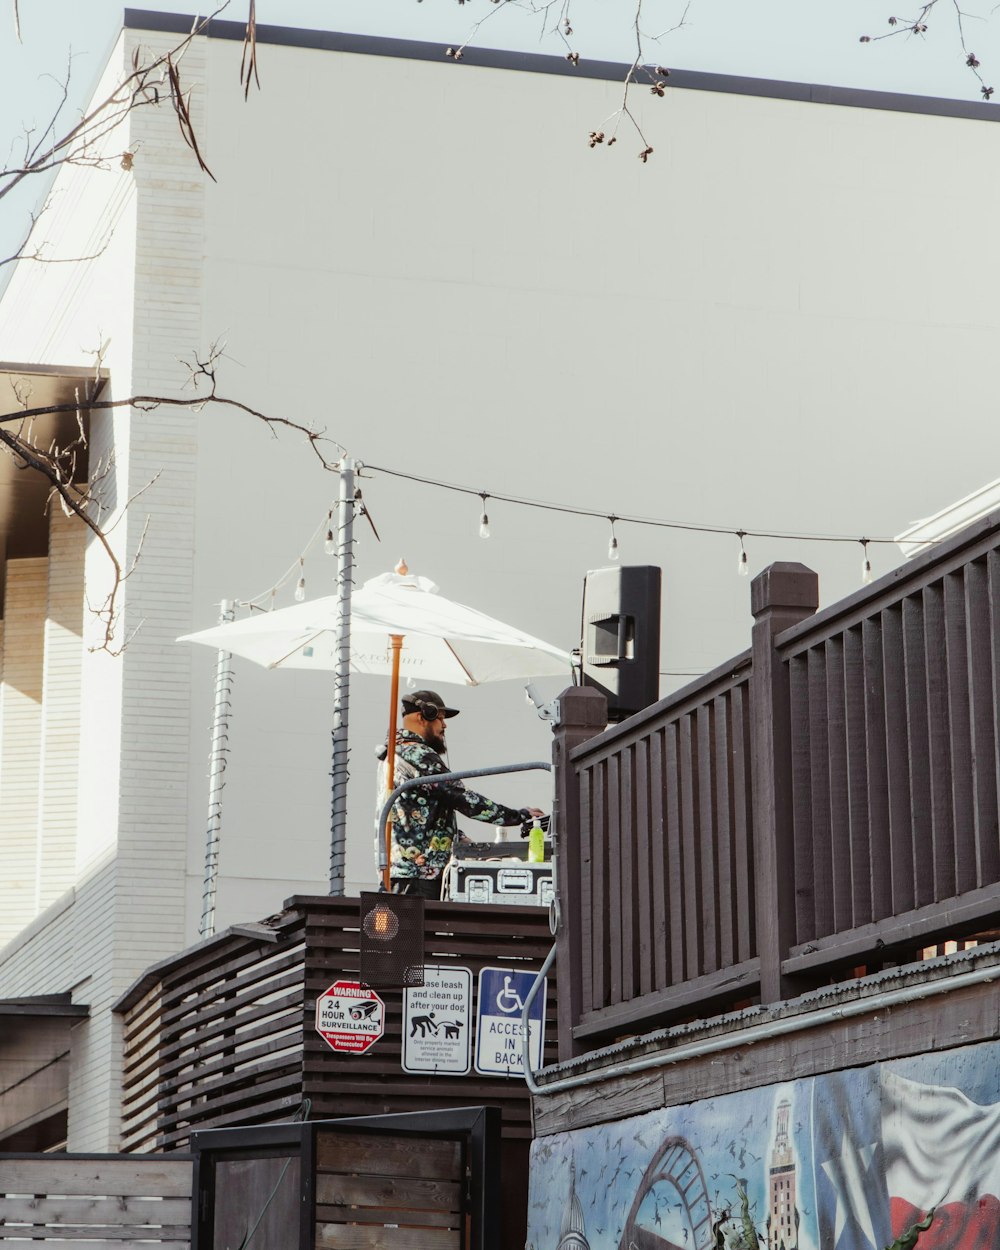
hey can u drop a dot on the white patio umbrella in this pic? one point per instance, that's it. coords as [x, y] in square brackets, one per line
[445, 641]
[399, 623]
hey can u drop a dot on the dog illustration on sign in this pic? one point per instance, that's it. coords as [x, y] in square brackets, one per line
[425, 1026]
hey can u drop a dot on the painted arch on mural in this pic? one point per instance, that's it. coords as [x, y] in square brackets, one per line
[849, 1161]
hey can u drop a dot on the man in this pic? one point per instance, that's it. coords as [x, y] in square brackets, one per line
[423, 819]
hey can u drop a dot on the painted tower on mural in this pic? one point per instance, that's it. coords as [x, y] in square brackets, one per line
[574, 1231]
[783, 1225]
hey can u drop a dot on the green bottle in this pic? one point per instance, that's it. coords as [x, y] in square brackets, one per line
[536, 844]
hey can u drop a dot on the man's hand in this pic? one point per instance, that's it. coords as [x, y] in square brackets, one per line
[535, 813]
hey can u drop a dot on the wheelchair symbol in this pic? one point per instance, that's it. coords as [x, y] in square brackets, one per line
[509, 1000]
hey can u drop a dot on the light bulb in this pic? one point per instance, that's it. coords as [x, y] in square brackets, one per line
[743, 567]
[613, 548]
[484, 526]
[330, 546]
[300, 590]
[866, 564]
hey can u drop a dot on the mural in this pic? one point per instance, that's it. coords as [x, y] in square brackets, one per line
[898, 1155]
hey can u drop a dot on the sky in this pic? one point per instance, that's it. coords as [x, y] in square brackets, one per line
[799, 40]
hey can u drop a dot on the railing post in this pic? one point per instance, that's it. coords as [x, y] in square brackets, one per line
[781, 596]
[583, 712]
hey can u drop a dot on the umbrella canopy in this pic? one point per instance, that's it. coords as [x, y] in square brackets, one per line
[445, 641]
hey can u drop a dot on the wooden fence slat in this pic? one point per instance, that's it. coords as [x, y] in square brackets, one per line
[823, 877]
[691, 875]
[746, 908]
[839, 828]
[338, 1189]
[942, 846]
[877, 768]
[897, 738]
[705, 832]
[982, 725]
[356, 1237]
[856, 747]
[675, 865]
[802, 805]
[89, 1211]
[726, 871]
[659, 863]
[614, 881]
[388, 1217]
[625, 931]
[130, 1177]
[103, 1234]
[959, 746]
[600, 889]
[378, 1155]
[586, 903]
[644, 870]
[914, 667]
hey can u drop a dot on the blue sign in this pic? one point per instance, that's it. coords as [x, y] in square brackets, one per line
[500, 1030]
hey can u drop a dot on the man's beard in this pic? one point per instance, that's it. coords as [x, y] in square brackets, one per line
[436, 743]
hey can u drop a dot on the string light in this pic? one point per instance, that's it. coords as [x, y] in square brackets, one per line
[866, 564]
[742, 565]
[327, 528]
[484, 520]
[656, 522]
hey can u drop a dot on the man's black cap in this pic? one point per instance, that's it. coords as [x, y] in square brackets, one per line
[424, 700]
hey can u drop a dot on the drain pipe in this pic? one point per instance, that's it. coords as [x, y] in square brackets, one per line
[753, 1033]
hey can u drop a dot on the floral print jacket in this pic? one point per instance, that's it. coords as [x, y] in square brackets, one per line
[423, 819]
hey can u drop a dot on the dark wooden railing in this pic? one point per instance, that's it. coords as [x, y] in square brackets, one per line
[825, 801]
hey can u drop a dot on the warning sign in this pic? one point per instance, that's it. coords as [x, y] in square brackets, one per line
[350, 1017]
[436, 1023]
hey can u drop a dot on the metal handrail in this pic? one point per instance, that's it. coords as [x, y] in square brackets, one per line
[436, 779]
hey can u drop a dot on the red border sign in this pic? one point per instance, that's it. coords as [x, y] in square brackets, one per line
[350, 1017]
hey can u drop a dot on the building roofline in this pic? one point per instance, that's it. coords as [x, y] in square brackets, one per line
[537, 63]
[44, 1005]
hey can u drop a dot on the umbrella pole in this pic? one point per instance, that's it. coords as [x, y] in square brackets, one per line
[342, 678]
[396, 643]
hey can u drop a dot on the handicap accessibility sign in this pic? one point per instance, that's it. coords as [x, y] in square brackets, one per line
[499, 1029]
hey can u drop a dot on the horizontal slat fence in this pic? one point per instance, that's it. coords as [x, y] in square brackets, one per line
[216, 1039]
[466, 935]
[223, 1034]
[95, 1200]
[826, 801]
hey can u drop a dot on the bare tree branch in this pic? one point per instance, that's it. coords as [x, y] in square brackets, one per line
[917, 26]
[58, 463]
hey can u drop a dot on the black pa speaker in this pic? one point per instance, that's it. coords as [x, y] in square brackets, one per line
[620, 647]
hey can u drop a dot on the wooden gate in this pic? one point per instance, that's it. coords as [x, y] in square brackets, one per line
[106, 1201]
[418, 1181]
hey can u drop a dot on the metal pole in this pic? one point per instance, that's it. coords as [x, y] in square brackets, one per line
[342, 675]
[396, 643]
[216, 774]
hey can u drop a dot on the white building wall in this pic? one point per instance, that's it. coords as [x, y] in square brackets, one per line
[21, 716]
[58, 774]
